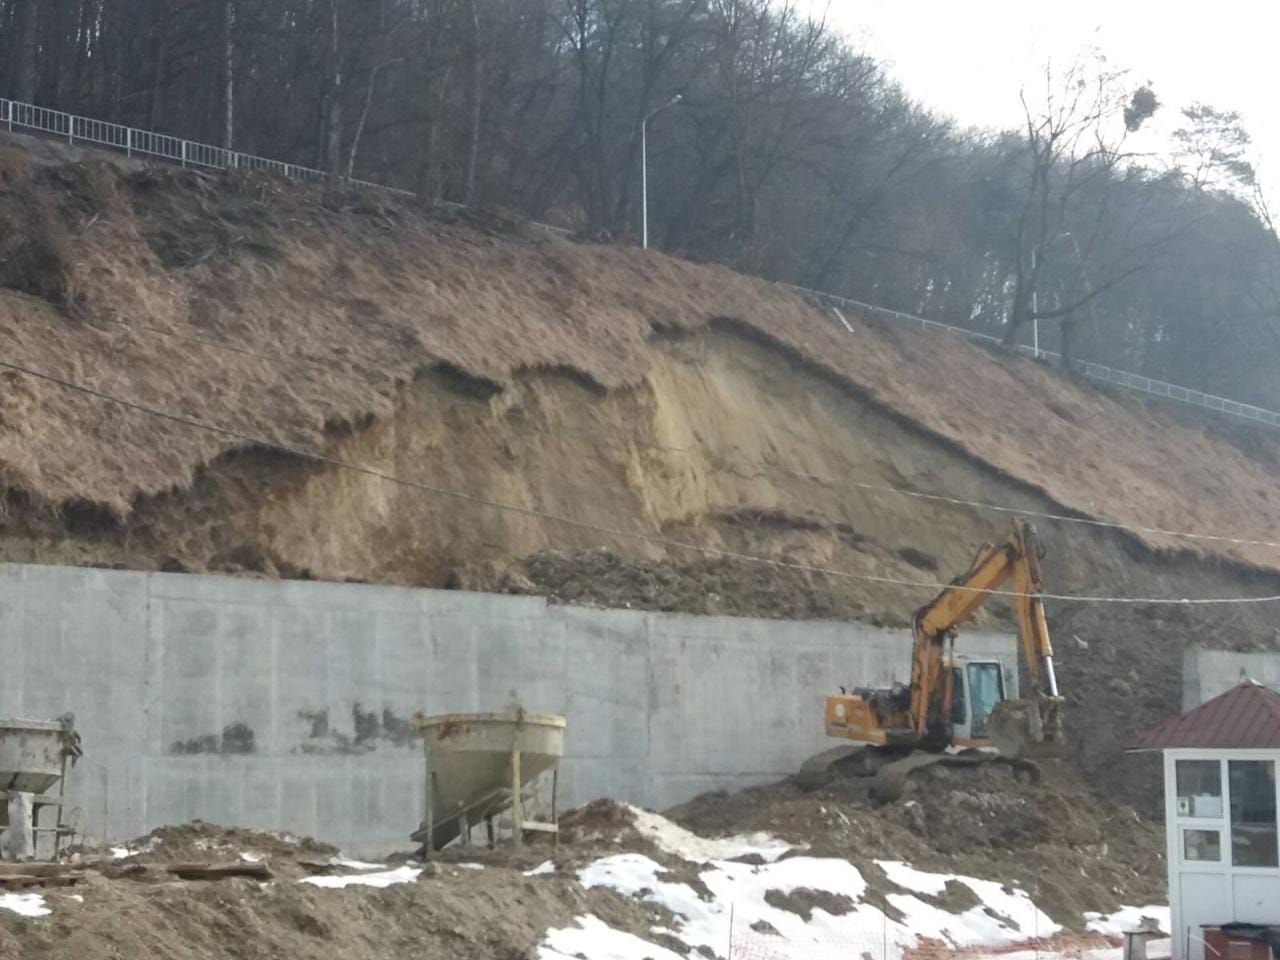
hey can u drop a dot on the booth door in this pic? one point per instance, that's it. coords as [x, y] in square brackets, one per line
[1204, 900]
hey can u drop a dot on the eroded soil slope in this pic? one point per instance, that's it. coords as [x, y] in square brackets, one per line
[647, 401]
[267, 308]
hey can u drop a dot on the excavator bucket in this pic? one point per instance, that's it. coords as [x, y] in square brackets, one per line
[1027, 729]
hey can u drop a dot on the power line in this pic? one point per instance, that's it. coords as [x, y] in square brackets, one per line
[1018, 511]
[317, 457]
[332, 364]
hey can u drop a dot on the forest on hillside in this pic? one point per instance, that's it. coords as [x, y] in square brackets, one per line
[775, 145]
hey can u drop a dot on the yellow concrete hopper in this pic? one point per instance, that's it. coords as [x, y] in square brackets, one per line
[477, 764]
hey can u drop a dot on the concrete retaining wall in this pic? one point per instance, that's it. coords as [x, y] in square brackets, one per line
[285, 705]
[1208, 673]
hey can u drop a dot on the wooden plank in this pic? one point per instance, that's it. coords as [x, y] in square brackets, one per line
[36, 869]
[541, 827]
[217, 871]
[11, 881]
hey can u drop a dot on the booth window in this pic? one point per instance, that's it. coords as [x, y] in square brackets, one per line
[1199, 789]
[1204, 846]
[1253, 813]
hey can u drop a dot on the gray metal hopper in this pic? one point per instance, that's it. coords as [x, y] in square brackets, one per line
[32, 754]
[477, 764]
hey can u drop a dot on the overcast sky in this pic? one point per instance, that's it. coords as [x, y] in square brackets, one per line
[968, 58]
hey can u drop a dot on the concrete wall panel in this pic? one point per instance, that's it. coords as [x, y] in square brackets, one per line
[1208, 673]
[286, 705]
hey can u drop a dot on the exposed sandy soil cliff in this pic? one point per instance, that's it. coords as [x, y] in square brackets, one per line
[328, 310]
[628, 392]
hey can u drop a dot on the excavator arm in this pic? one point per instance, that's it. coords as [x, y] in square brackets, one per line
[920, 716]
[1016, 725]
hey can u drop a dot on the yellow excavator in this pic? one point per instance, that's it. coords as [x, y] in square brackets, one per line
[953, 701]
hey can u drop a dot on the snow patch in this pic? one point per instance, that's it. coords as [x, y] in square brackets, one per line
[542, 869]
[1127, 919]
[386, 878]
[25, 904]
[677, 841]
[121, 853]
[1002, 914]
[731, 905]
[250, 857]
[595, 939]
[469, 866]
[739, 903]
[904, 875]
[355, 864]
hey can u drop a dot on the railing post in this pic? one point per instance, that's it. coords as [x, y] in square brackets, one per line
[184, 153]
[128, 141]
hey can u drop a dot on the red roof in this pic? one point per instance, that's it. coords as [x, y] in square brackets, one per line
[1245, 717]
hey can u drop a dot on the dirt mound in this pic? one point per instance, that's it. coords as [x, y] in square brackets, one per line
[714, 586]
[1054, 838]
[477, 904]
[200, 841]
[491, 914]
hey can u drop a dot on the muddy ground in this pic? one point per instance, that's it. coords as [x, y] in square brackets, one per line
[1048, 835]
[1054, 838]
[131, 908]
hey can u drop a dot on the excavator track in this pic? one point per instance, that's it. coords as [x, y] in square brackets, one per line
[890, 769]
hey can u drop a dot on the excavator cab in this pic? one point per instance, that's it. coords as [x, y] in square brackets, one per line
[977, 688]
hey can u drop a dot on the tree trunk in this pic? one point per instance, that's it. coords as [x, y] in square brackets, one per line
[83, 47]
[364, 115]
[1068, 328]
[333, 119]
[228, 74]
[157, 77]
[474, 80]
[22, 80]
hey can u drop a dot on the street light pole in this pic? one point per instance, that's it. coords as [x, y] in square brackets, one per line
[644, 168]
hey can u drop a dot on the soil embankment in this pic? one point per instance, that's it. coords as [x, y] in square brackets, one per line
[645, 399]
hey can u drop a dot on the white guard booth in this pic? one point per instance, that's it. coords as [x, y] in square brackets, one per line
[1220, 762]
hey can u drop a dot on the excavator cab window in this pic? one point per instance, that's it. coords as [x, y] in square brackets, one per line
[986, 689]
[959, 703]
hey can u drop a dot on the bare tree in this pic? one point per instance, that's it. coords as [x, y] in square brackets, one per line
[229, 73]
[333, 113]
[1075, 136]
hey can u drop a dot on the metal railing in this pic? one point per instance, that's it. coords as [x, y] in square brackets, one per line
[190, 153]
[132, 141]
[1094, 371]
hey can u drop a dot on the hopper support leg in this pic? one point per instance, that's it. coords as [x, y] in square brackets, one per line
[517, 805]
[555, 815]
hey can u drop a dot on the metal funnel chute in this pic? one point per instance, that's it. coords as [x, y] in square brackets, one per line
[35, 755]
[477, 767]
